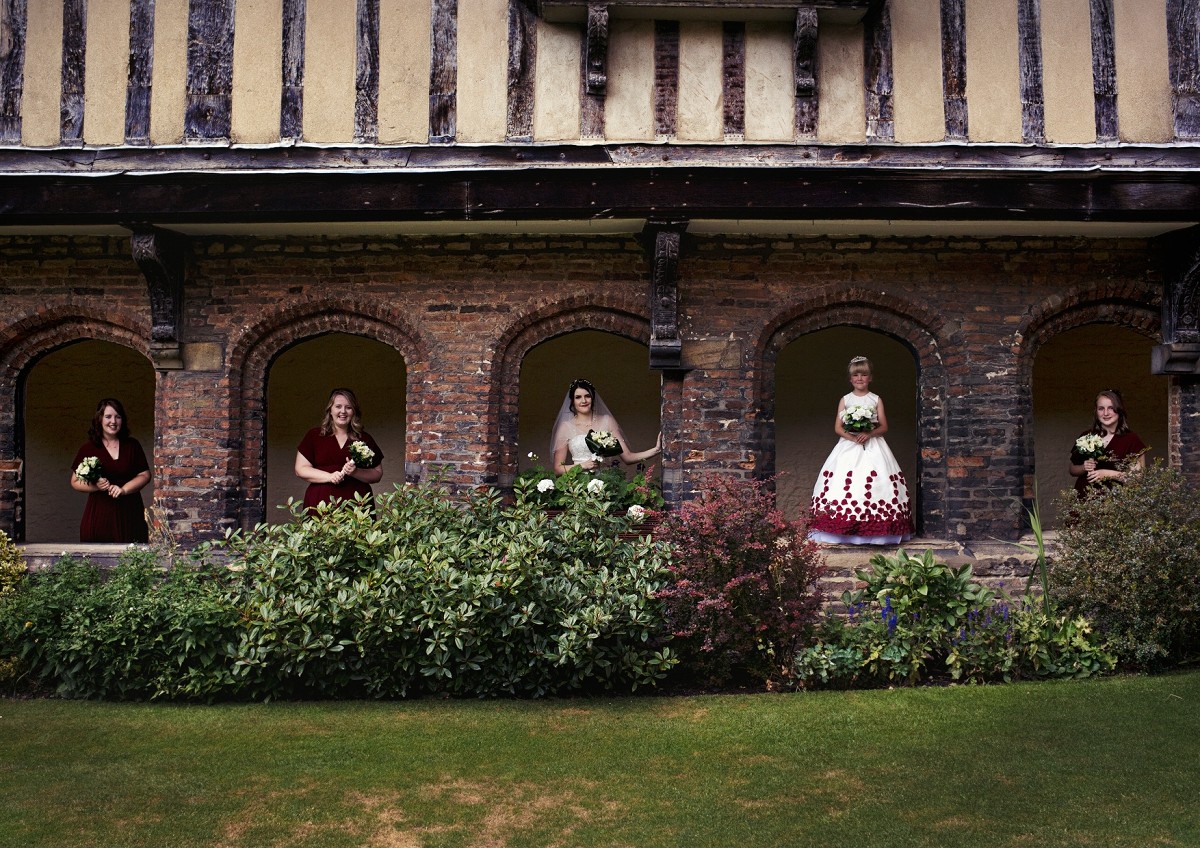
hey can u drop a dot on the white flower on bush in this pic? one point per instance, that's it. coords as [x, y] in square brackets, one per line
[636, 512]
[546, 485]
[595, 487]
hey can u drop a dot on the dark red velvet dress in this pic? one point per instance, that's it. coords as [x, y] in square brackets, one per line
[109, 519]
[324, 453]
[1121, 446]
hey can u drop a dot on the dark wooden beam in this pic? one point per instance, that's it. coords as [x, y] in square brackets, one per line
[954, 69]
[1183, 57]
[1180, 351]
[141, 71]
[662, 238]
[12, 69]
[443, 73]
[1029, 56]
[666, 78]
[733, 78]
[877, 57]
[160, 256]
[366, 74]
[522, 67]
[209, 88]
[74, 62]
[804, 74]
[291, 101]
[831, 11]
[1104, 70]
[591, 105]
[595, 46]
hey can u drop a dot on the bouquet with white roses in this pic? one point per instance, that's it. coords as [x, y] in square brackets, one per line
[602, 443]
[1091, 446]
[89, 470]
[361, 455]
[859, 419]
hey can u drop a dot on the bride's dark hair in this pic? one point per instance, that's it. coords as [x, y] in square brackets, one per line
[580, 383]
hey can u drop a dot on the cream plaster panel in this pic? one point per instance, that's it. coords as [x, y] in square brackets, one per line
[770, 90]
[168, 79]
[40, 123]
[993, 71]
[482, 70]
[842, 114]
[330, 47]
[701, 102]
[106, 72]
[404, 55]
[257, 71]
[557, 85]
[917, 71]
[629, 106]
[1067, 78]
[1144, 111]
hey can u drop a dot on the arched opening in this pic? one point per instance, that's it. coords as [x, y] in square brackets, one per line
[615, 365]
[298, 385]
[61, 391]
[1068, 372]
[811, 376]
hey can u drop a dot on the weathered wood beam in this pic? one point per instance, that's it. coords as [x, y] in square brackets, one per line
[1183, 58]
[877, 77]
[1029, 56]
[954, 69]
[595, 45]
[443, 73]
[733, 79]
[662, 238]
[291, 98]
[1104, 70]
[209, 88]
[74, 62]
[666, 78]
[1180, 351]
[141, 70]
[804, 73]
[522, 66]
[12, 68]
[160, 256]
[845, 12]
[366, 74]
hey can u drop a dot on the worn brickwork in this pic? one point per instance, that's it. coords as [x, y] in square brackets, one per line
[464, 311]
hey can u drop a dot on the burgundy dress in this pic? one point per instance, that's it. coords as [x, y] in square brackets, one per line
[324, 453]
[1121, 446]
[109, 519]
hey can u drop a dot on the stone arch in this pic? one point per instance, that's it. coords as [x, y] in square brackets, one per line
[250, 359]
[619, 317]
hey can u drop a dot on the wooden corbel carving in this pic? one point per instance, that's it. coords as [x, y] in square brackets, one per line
[804, 50]
[663, 238]
[1180, 351]
[160, 256]
[597, 49]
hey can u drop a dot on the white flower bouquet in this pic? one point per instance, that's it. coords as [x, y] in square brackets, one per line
[859, 419]
[602, 443]
[1091, 446]
[361, 455]
[89, 470]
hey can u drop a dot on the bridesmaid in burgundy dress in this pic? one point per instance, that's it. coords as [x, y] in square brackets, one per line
[114, 511]
[324, 459]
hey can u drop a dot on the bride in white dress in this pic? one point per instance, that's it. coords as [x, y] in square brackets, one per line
[582, 412]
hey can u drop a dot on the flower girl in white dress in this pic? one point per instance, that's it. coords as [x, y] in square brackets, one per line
[861, 497]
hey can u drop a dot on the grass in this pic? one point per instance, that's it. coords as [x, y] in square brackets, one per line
[1112, 762]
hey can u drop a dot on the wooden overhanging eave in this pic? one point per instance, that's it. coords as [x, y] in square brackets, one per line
[830, 11]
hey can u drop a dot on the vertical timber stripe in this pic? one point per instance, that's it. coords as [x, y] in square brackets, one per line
[74, 55]
[522, 64]
[1183, 33]
[12, 69]
[1104, 70]
[291, 99]
[141, 70]
[954, 69]
[666, 77]
[209, 99]
[1033, 103]
[877, 57]
[593, 81]
[804, 75]
[366, 75]
[733, 78]
[443, 72]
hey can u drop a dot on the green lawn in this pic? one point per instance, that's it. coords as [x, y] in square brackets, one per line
[1101, 763]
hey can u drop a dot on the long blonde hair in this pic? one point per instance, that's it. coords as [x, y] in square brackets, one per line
[356, 428]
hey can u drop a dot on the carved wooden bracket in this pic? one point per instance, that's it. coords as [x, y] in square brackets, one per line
[804, 51]
[663, 239]
[1180, 353]
[597, 49]
[160, 256]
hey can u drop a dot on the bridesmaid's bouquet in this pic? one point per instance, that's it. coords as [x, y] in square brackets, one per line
[88, 471]
[602, 443]
[361, 455]
[859, 419]
[1091, 446]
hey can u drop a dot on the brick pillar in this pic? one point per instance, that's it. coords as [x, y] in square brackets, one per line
[1184, 412]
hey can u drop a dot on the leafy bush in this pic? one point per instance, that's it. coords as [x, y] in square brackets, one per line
[744, 594]
[642, 490]
[917, 619]
[1128, 558]
[12, 572]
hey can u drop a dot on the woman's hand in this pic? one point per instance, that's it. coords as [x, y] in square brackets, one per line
[1089, 465]
[114, 491]
[1095, 475]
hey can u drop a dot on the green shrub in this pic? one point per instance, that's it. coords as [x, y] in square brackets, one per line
[622, 492]
[917, 620]
[1128, 558]
[12, 572]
